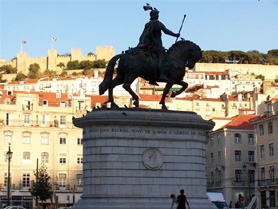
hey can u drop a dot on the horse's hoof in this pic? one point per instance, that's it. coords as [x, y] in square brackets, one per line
[136, 103]
[164, 107]
[114, 105]
[173, 94]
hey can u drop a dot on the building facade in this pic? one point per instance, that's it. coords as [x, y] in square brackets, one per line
[38, 128]
[231, 159]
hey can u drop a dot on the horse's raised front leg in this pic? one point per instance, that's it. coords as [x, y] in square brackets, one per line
[165, 92]
[184, 86]
[127, 82]
[119, 79]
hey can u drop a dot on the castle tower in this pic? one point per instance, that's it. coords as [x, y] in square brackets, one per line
[75, 54]
[105, 52]
[52, 59]
[22, 62]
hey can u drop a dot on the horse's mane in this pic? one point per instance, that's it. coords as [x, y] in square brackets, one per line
[190, 44]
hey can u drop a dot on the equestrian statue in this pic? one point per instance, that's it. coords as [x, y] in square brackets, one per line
[150, 61]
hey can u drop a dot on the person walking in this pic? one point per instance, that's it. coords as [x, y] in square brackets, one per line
[174, 200]
[182, 201]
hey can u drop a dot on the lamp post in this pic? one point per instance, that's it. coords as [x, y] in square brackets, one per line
[9, 157]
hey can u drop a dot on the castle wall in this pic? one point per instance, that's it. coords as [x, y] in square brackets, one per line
[105, 52]
[23, 61]
[41, 61]
[269, 71]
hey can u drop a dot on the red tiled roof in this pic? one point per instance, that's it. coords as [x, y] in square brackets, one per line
[147, 97]
[97, 99]
[241, 122]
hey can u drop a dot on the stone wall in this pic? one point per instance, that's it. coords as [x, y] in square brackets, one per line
[269, 71]
[23, 62]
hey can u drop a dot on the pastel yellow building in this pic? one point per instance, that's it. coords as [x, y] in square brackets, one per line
[38, 126]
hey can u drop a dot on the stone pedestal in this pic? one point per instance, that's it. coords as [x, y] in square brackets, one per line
[136, 158]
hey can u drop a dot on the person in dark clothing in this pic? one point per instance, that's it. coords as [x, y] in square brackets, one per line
[151, 39]
[182, 200]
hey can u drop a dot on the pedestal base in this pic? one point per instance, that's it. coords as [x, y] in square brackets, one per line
[134, 158]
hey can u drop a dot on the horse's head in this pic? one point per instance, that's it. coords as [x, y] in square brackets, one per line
[194, 57]
[186, 51]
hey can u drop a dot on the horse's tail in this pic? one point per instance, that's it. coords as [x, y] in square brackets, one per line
[108, 74]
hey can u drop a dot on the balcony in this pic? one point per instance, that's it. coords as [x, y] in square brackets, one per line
[35, 123]
[4, 187]
[267, 182]
[216, 184]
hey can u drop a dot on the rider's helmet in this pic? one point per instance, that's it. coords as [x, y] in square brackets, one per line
[154, 14]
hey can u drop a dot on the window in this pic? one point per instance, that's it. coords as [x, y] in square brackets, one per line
[251, 139]
[218, 156]
[79, 180]
[62, 120]
[63, 158]
[45, 157]
[211, 158]
[45, 138]
[26, 138]
[62, 180]
[251, 156]
[271, 174]
[271, 150]
[262, 174]
[26, 120]
[79, 159]
[44, 103]
[211, 176]
[79, 141]
[26, 156]
[237, 155]
[237, 138]
[238, 174]
[63, 140]
[261, 130]
[270, 128]
[45, 120]
[8, 137]
[262, 151]
[26, 180]
[251, 174]
[6, 179]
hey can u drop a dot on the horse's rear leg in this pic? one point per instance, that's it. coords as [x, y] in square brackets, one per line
[165, 92]
[184, 86]
[119, 79]
[127, 82]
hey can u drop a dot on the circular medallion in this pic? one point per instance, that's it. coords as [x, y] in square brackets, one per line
[152, 158]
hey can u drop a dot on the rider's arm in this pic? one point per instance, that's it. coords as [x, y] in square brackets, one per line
[168, 32]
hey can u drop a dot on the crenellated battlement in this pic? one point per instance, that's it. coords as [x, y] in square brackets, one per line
[23, 62]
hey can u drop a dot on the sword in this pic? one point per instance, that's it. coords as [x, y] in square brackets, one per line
[181, 27]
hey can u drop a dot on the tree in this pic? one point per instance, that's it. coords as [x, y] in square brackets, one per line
[64, 73]
[260, 77]
[8, 69]
[91, 54]
[86, 64]
[1, 79]
[41, 188]
[50, 73]
[99, 64]
[20, 77]
[61, 65]
[72, 65]
[34, 71]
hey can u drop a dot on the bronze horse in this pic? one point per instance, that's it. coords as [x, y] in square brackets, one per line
[135, 62]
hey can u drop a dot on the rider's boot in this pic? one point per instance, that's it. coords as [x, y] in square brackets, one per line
[162, 76]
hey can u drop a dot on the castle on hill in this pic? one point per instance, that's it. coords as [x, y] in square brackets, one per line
[22, 61]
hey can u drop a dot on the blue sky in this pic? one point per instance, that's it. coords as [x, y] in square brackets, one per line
[212, 24]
